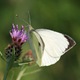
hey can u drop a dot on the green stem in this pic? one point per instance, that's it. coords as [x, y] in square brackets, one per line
[6, 71]
[21, 73]
[10, 62]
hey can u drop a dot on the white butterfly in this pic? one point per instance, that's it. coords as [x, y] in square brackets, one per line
[51, 46]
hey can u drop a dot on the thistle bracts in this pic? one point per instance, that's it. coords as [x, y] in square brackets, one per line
[9, 51]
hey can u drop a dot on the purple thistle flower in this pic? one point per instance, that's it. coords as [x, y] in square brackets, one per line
[18, 36]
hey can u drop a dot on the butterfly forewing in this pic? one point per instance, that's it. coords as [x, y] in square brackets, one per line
[56, 44]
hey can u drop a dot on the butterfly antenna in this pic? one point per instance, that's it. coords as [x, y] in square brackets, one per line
[28, 23]
[29, 17]
[21, 19]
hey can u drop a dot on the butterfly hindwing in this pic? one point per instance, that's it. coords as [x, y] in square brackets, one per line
[38, 44]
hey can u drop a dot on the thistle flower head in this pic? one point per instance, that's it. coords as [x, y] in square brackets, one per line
[18, 36]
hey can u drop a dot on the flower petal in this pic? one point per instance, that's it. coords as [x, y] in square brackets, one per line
[18, 36]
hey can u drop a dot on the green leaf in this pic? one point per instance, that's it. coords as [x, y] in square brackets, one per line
[1, 55]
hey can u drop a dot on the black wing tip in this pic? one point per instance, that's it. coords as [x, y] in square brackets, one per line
[72, 43]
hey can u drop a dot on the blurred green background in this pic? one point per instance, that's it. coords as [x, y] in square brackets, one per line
[59, 15]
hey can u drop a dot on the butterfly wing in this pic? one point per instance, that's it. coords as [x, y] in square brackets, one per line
[55, 45]
[38, 44]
